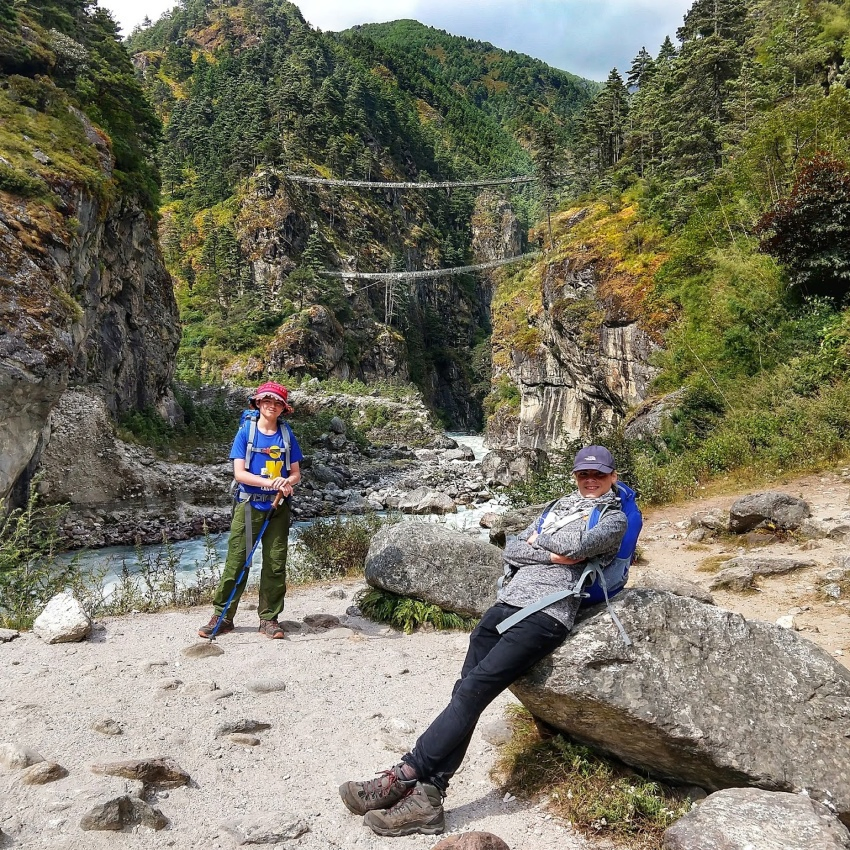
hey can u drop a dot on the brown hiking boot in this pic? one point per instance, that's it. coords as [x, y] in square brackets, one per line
[271, 629]
[383, 791]
[208, 630]
[420, 811]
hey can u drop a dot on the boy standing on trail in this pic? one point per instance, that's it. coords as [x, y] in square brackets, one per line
[547, 557]
[266, 461]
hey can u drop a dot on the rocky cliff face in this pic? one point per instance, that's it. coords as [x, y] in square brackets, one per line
[581, 361]
[86, 301]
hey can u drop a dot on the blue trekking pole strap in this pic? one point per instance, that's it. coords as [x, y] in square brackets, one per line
[247, 565]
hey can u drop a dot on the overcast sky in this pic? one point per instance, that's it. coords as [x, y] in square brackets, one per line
[585, 37]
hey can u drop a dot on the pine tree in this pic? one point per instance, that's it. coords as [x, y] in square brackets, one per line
[643, 66]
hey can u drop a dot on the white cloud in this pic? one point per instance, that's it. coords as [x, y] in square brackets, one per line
[586, 37]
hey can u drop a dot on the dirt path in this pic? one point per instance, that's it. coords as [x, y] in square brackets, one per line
[354, 697]
[825, 621]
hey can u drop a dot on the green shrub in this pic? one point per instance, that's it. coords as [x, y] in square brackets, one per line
[29, 574]
[17, 182]
[335, 547]
[504, 394]
[149, 583]
[407, 614]
[598, 797]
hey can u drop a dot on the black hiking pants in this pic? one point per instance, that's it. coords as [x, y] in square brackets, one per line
[493, 662]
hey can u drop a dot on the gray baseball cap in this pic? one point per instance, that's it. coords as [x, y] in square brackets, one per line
[594, 457]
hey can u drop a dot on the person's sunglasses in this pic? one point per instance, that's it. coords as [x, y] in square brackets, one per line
[591, 473]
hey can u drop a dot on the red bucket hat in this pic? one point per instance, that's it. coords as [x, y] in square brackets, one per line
[270, 389]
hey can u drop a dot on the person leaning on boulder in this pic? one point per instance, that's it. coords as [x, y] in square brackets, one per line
[260, 480]
[545, 558]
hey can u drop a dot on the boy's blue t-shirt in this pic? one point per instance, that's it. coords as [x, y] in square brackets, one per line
[269, 461]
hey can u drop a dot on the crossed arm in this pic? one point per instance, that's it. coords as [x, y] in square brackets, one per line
[572, 544]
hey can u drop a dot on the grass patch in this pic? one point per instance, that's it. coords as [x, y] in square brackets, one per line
[598, 797]
[713, 564]
[31, 574]
[333, 548]
[408, 614]
[149, 583]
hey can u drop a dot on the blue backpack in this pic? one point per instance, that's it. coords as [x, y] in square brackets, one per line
[612, 579]
[252, 417]
[596, 583]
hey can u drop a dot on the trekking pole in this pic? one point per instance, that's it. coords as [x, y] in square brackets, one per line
[246, 566]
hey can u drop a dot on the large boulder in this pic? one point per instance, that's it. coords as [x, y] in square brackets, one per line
[425, 501]
[702, 696]
[741, 818]
[432, 563]
[776, 508]
[63, 620]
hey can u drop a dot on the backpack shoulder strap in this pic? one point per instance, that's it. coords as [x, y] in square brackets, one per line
[285, 435]
[252, 436]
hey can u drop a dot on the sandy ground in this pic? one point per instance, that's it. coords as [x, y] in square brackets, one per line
[354, 698]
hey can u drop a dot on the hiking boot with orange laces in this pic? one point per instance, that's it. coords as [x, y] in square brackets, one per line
[385, 790]
[421, 811]
[208, 631]
[271, 629]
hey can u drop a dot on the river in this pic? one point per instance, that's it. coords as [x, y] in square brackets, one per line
[203, 552]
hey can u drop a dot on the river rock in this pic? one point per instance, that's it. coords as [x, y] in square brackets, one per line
[739, 573]
[123, 811]
[107, 726]
[511, 465]
[355, 504]
[702, 696]
[460, 453]
[679, 586]
[245, 724]
[425, 501]
[513, 522]
[752, 819]
[16, 757]
[472, 841]
[63, 620]
[159, 772]
[712, 520]
[779, 509]
[322, 621]
[7, 635]
[41, 773]
[205, 649]
[433, 563]
[266, 686]
[265, 829]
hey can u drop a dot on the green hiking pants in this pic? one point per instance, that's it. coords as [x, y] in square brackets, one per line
[273, 574]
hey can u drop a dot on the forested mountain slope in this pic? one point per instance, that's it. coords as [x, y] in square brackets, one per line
[84, 295]
[248, 92]
[716, 214]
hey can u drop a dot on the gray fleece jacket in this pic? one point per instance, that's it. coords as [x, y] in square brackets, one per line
[565, 533]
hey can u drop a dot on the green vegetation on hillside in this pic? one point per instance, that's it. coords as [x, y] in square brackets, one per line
[734, 151]
[248, 92]
[57, 56]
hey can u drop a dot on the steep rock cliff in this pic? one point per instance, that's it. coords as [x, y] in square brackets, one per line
[86, 301]
[570, 334]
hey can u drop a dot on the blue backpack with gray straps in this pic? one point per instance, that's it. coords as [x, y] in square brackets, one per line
[616, 574]
[596, 583]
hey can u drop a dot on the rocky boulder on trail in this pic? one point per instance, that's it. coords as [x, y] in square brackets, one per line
[702, 696]
[435, 564]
